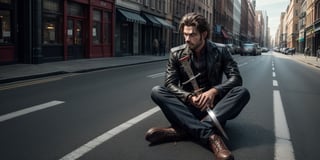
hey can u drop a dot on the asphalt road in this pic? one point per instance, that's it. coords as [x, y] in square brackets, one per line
[98, 115]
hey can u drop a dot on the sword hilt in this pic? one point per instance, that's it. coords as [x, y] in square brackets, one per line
[197, 90]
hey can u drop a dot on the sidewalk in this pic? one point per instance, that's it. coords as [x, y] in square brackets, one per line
[310, 60]
[16, 72]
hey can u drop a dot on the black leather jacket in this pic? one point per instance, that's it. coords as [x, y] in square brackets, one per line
[218, 61]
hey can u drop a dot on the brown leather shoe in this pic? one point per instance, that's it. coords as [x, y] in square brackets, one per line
[219, 149]
[161, 135]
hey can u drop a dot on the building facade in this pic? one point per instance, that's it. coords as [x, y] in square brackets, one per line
[55, 30]
[39, 31]
[317, 25]
[293, 24]
[301, 26]
[259, 28]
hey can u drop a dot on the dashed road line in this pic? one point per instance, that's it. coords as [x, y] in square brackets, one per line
[283, 146]
[283, 149]
[161, 74]
[77, 153]
[275, 83]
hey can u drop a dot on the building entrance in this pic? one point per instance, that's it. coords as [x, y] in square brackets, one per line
[75, 42]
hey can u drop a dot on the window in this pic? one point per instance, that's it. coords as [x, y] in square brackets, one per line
[75, 9]
[96, 30]
[52, 5]
[146, 2]
[318, 11]
[5, 27]
[52, 29]
[52, 22]
[153, 4]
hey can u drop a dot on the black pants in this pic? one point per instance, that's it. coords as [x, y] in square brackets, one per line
[194, 121]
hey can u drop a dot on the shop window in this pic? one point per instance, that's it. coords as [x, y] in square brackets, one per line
[96, 29]
[5, 27]
[52, 30]
[52, 22]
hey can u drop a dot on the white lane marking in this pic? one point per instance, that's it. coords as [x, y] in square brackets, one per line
[273, 74]
[156, 75]
[283, 145]
[240, 65]
[29, 110]
[77, 153]
[275, 83]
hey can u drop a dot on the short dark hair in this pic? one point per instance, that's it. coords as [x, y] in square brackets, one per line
[197, 20]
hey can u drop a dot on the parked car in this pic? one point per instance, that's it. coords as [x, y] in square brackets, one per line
[230, 47]
[251, 49]
[290, 51]
[264, 49]
[237, 49]
[276, 49]
[221, 46]
[258, 50]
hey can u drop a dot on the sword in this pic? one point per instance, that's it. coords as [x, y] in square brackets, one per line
[197, 90]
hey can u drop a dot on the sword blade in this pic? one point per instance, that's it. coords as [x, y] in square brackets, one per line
[216, 122]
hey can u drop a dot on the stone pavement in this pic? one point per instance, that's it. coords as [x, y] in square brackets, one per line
[310, 60]
[16, 72]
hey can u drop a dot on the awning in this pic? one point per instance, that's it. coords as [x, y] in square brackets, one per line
[300, 39]
[225, 34]
[153, 21]
[164, 23]
[132, 17]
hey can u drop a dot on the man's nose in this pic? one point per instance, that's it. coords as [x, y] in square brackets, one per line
[187, 38]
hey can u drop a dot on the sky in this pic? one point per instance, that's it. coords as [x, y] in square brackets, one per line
[274, 9]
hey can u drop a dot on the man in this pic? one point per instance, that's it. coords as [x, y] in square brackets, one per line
[186, 110]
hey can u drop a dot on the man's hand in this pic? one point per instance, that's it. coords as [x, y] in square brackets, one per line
[204, 100]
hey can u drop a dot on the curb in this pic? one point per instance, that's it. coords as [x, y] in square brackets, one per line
[9, 80]
[306, 62]
[21, 78]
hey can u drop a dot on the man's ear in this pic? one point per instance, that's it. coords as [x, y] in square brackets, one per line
[205, 34]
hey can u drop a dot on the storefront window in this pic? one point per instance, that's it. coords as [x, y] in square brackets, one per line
[5, 27]
[107, 27]
[96, 30]
[70, 32]
[52, 22]
[52, 31]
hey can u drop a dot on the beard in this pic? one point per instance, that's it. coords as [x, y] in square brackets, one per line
[195, 46]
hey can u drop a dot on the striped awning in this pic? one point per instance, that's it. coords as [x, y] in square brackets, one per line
[164, 23]
[132, 17]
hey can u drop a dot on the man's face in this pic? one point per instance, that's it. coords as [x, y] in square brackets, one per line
[193, 37]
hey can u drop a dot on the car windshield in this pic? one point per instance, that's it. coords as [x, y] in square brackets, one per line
[248, 45]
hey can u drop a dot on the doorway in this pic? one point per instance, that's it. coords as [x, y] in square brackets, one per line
[75, 38]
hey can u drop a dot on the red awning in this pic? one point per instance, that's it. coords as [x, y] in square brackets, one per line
[225, 34]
